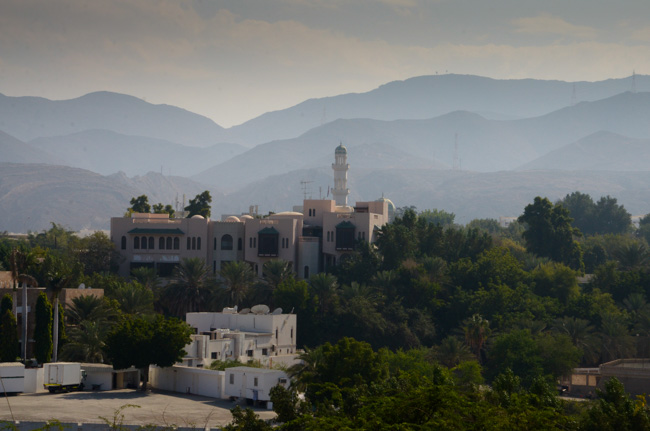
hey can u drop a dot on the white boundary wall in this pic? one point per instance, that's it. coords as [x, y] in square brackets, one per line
[188, 380]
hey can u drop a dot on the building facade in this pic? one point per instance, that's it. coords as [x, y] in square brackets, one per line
[248, 335]
[311, 240]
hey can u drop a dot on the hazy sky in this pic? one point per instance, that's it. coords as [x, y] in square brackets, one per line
[234, 60]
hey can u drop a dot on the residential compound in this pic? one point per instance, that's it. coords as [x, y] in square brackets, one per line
[312, 238]
[250, 334]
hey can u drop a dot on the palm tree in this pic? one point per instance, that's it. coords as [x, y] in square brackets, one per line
[146, 277]
[306, 371]
[86, 342]
[616, 340]
[90, 308]
[134, 299]
[275, 272]
[633, 256]
[582, 336]
[476, 330]
[452, 352]
[59, 277]
[385, 283]
[190, 288]
[326, 287]
[238, 276]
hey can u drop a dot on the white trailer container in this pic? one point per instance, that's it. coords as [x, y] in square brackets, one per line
[12, 377]
[63, 376]
[253, 384]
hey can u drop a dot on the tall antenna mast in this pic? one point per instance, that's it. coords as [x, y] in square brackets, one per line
[455, 165]
[304, 186]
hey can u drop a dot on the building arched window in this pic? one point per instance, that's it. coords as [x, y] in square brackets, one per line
[193, 243]
[226, 242]
[239, 244]
[151, 243]
[189, 243]
[123, 243]
[136, 242]
[214, 246]
[306, 272]
[143, 242]
[161, 243]
[198, 243]
[169, 243]
[177, 243]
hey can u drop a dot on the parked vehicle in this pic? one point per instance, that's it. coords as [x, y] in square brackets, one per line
[12, 377]
[63, 377]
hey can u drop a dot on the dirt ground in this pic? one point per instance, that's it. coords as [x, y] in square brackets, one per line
[159, 408]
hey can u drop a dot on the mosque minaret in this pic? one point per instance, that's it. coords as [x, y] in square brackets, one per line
[340, 168]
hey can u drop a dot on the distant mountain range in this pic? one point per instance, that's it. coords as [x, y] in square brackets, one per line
[32, 196]
[475, 146]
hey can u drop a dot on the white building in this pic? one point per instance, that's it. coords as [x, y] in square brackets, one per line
[253, 384]
[312, 240]
[268, 339]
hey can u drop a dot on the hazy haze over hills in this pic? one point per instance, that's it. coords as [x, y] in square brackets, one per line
[27, 118]
[409, 160]
[107, 152]
[34, 195]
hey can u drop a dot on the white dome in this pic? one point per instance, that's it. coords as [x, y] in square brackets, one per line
[198, 216]
[232, 219]
[246, 217]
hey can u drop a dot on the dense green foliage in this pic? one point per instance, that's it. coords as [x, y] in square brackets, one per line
[43, 329]
[9, 343]
[200, 205]
[402, 332]
[142, 341]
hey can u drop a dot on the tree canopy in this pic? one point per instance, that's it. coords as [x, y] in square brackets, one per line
[144, 341]
[200, 205]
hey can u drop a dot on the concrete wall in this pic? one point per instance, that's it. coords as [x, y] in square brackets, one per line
[197, 381]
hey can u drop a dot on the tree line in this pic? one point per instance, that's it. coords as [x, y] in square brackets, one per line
[490, 299]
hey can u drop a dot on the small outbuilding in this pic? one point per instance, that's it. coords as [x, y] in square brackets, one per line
[253, 384]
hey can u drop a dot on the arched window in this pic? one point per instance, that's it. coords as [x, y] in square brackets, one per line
[189, 243]
[306, 272]
[136, 242]
[161, 243]
[226, 242]
[193, 243]
[169, 243]
[177, 243]
[198, 243]
[143, 242]
[151, 243]
[214, 246]
[123, 243]
[239, 244]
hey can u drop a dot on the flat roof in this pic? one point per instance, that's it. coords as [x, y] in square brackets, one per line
[153, 231]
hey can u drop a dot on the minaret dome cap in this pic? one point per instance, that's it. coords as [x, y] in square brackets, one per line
[341, 149]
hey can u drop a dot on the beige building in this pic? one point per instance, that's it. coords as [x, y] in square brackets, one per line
[313, 239]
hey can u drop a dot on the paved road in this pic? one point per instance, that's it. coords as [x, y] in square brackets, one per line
[159, 408]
